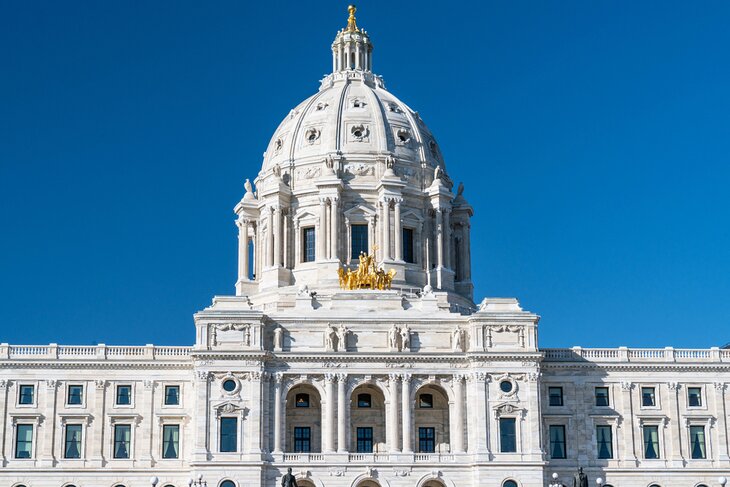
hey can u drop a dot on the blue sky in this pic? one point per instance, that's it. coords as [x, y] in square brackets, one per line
[593, 139]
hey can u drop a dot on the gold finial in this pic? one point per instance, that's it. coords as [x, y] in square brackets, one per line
[351, 24]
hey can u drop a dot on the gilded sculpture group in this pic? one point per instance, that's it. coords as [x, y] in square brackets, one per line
[366, 276]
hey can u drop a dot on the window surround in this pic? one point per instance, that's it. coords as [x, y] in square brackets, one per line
[21, 419]
[562, 395]
[661, 422]
[124, 419]
[414, 221]
[226, 409]
[703, 397]
[609, 396]
[83, 395]
[180, 420]
[179, 395]
[657, 397]
[304, 219]
[35, 394]
[706, 422]
[565, 420]
[508, 411]
[84, 420]
[359, 215]
[132, 393]
[613, 422]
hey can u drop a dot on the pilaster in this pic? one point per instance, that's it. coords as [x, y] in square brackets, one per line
[47, 457]
[202, 390]
[721, 426]
[675, 425]
[96, 446]
[4, 386]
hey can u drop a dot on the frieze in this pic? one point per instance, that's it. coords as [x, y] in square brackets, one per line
[337, 471]
[335, 365]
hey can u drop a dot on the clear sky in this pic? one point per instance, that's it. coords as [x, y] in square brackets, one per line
[593, 139]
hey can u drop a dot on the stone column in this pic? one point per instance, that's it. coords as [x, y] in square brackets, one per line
[721, 415]
[406, 413]
[334, 231]
[254, 416]
[96, 444]
[342, 413]
[201, 415]
[277, 236]
[357, 56]
[329, 437]
[446, 238]
[277, 412]
[675, 425]
[386, 230]
[392, 414]
[439, 238]
[322, 233]
[398, 233]
[457, 441]
[270, 238]
[467, 253]
[287, 238]
[243, 263]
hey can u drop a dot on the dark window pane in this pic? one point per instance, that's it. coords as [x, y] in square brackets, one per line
[505, 386]
[695, 396]
[697, 442]
[27, 394]
[302, 439]
[229, 434]
[556, 396]
[172, 395]
[604, 440]
[648, 396]
[229, 385]
[651, 442]
[557, 441]
[364, 401]
[364, 440]
[228, 483]
[601, 396]
[124, 395]
[425, 401]
[308, 252]
[122, 439]
[75, 394]
[301, 400]
[426, 440]
[23, 440]
[509, 483]
[507, 436]
[408, 246]
[359, 241]
[171, 441]
[72, 448]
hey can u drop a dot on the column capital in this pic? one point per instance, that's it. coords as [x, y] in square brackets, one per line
[719, 386]
[330, 378]
[323, 200]
[279, 377]
[393, 377]
[674, 386]
[406, 378]
[342, 377]
[627, 385]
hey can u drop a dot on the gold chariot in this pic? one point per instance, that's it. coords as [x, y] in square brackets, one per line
[366, 276]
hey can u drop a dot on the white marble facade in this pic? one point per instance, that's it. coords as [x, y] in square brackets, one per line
[413, 386]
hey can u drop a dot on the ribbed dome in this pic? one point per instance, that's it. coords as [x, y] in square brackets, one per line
[354, 116]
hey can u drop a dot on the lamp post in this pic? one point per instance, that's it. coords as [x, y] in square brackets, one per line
[153, 481]
[722, 481]
[199, 482]
[555, 482]
[599, 481]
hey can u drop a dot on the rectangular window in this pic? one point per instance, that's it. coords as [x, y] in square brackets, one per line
[171, 441]
[408, 246]
[308, 249]
[651, 442]
[75, 395]
[229, 434]
[507, 435]
[364, 440]
[72, 445]
[172, 395]
[648, 397]
[604, 442]
[694, 396]
[697, 442]
[364, 401]
[302, 439]
[124, 395]
[557, 441]
[26, 394]
[359, 241]
[425, 401]
[426, 440]
[555, 395]
[602, 396]
[122, 440]
[23, 440]
[301, 400]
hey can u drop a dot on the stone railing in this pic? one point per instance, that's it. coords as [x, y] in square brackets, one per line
[303, 457]
[646, 355]
[369, 457]
[93, 352]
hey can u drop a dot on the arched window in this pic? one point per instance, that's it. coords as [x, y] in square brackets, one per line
[701, 485]
[655, 485]
[509, 483]
[118, 485]
[227, 483]
[169, 485]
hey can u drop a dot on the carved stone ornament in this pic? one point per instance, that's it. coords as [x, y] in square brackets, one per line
[51, 383]
[627, 385]
[230, 408]
[310, 172]
[401, 472]
[673, 386]
[202, 375]
[336, 471]
[311, 135]
[4, 383]
[360, 169]
[359, 132]
[335, 365]
[100, 384]
[149, 384]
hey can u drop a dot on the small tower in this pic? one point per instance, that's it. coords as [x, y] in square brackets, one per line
[352, 49]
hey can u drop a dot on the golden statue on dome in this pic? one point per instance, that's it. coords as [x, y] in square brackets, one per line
[366, 276]
[351, 24]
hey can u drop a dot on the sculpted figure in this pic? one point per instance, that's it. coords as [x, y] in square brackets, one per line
[580, 479]
[277, 171]
[329, 338]
[393, 335]
[342, 338]
[278, 338]
[248, 187]
[405, 339]
[458, 339]
[288, 480]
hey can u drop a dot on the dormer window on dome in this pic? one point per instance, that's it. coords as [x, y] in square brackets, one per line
[352, 49]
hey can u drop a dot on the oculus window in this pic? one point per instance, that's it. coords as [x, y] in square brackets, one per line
[72, 444]
[228, 435]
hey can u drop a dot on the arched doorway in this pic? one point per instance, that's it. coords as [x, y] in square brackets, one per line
[303, 420]
[431, 418]
[367, 420]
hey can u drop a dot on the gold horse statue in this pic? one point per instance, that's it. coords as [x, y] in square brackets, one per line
[366, 276]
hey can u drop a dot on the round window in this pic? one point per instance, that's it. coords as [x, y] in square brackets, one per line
[509, 483]
[227, 483]
[229, 385]
[505, 386]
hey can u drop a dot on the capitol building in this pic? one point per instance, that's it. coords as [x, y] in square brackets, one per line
[353, 349]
